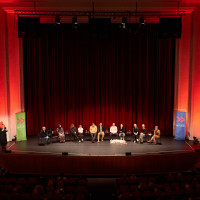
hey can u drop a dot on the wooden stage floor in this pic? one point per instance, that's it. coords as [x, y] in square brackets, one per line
[168, 144]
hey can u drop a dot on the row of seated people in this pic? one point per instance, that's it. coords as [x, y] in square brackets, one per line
[99, 132]
[43, 187]
[161, 186]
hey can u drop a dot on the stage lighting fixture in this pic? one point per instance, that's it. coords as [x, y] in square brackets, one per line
[128, 153]
[65, 153]
[123, 24]
[57, 21]
[75, 22]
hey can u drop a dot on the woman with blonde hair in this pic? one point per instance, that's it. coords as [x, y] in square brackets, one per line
[3, 137]
[142, 133]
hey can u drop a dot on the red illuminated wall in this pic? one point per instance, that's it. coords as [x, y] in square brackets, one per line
[11, 87]
[187, 72]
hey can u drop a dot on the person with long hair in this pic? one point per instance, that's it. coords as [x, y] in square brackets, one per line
[61, 134]
[3, 137]
[155, 135]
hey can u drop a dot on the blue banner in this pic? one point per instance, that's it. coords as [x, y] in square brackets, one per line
[180, 125]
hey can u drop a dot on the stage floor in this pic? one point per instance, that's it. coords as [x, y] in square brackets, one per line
[169, 145]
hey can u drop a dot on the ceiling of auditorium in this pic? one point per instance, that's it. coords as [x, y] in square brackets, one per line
[108, 5]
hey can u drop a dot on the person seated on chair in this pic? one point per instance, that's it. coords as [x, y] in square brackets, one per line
[80, 133]
[101, 130]
[3, 137]
[121, 132]
[73, 132]
[61, 134]
[142, 133]
[44, 135]
[155, 135]
[113, 130]
[93, 132]
[135, 133]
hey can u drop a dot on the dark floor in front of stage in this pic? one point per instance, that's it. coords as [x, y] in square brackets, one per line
[169, 144]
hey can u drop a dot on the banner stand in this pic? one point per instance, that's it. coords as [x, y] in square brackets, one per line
[180, 125]
[21, 126]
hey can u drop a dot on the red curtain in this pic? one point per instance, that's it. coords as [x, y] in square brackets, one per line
[71, 78]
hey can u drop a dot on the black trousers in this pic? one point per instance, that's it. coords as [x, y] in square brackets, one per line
[74, 136]
[135, 137]
[80, 136]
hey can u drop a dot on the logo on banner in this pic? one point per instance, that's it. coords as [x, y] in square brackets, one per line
[180, 119]
[180, 125]
[21, 126]
[20, 120]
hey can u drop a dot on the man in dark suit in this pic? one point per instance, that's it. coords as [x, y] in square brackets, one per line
[101, 130]
[43, 135]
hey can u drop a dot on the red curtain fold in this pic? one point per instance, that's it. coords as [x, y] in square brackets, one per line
[71, 78]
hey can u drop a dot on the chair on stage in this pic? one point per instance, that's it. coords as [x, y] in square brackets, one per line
[87, 136]
[68, 136]
[158, 140]
[41, 140]
[54, 137]
[114, 136]
[107, 135]
[128, 136]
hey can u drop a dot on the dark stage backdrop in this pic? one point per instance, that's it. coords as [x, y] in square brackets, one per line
[71, 78]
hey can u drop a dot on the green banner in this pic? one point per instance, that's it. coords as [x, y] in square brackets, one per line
[21, 126]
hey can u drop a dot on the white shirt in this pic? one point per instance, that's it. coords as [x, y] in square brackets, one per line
[113, 129]
[80, 130]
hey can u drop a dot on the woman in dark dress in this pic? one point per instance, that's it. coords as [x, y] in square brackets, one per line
[3, 137]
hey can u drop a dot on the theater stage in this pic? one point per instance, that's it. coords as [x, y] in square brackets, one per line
[100, 159]
[168, 144]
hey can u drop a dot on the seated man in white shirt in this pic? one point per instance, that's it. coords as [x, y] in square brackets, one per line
[113, 130]
[80, 133]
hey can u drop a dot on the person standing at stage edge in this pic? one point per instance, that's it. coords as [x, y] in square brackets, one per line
[93, 132]
[3, 137]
